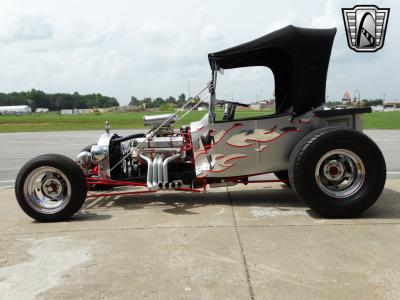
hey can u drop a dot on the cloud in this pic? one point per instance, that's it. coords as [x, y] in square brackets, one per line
[155, 48]
[26, 27]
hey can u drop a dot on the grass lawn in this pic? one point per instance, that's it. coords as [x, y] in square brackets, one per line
[382, 120]
[57, 122]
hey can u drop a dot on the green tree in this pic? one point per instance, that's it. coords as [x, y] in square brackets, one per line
[36, 98]
[134, 101]
[158, 101]
[181, 100]
[171, 99]
[147, 103]
[167, 107]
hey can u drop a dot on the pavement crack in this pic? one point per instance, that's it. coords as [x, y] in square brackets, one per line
[10, 233]
[246, 267]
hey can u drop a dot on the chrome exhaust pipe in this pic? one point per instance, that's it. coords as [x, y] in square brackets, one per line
[149, 170]
[165, 167]
[155, 171]
[160, 170]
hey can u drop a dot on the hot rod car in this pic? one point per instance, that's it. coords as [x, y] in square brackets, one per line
[321, 154]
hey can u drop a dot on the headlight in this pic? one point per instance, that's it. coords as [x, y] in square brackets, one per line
[99, 152]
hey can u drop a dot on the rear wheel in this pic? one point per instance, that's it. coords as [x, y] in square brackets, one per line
[50, 188]
[338, 172]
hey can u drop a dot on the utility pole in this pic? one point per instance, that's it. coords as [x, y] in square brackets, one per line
[256, 92]
[355, 97]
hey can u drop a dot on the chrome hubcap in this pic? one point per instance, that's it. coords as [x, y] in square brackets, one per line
[52, 187]
[334, 170]
[340, 173]
[47, 190]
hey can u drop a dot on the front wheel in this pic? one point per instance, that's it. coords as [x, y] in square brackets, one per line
[338, 172]
[50, 188]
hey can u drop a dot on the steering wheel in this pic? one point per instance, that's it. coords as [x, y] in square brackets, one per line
[230, 108]
[222, 102]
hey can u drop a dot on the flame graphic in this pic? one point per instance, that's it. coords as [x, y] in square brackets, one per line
[220, 163]
[248, 137]
[223, 162]
[207, 162]
[221, 134]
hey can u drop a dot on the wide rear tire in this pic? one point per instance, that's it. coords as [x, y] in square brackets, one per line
[338, 172]
[50, 188]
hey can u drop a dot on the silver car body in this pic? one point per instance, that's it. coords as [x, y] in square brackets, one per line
[254, 146]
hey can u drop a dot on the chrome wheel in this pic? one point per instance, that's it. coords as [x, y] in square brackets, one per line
[47, 190]
[340, 173]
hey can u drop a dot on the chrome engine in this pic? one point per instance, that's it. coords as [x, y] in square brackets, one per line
[141, 157]
[158, 152]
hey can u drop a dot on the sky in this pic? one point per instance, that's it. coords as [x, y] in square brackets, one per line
[125, 48]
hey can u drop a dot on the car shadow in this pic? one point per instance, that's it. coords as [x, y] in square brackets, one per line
[82, 216]
[89, 216]
[387, 206]
[174, 203]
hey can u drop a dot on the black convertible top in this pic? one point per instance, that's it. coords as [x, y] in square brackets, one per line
[298, 58]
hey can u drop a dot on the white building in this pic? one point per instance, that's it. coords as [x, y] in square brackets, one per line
[255, 106]
[41, 110]
[78, 111]
[15, 109]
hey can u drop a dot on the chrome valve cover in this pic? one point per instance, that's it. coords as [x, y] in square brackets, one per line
[158, 142]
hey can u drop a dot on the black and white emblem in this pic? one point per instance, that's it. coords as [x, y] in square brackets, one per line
[365, 27]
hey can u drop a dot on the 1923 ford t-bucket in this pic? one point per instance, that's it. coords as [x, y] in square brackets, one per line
[322, 154]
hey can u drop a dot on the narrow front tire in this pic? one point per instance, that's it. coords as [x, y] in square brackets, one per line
[50, 188]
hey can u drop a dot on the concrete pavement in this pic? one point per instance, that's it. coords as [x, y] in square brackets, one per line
[245, 242]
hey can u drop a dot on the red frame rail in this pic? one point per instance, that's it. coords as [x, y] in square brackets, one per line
[120, 183]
